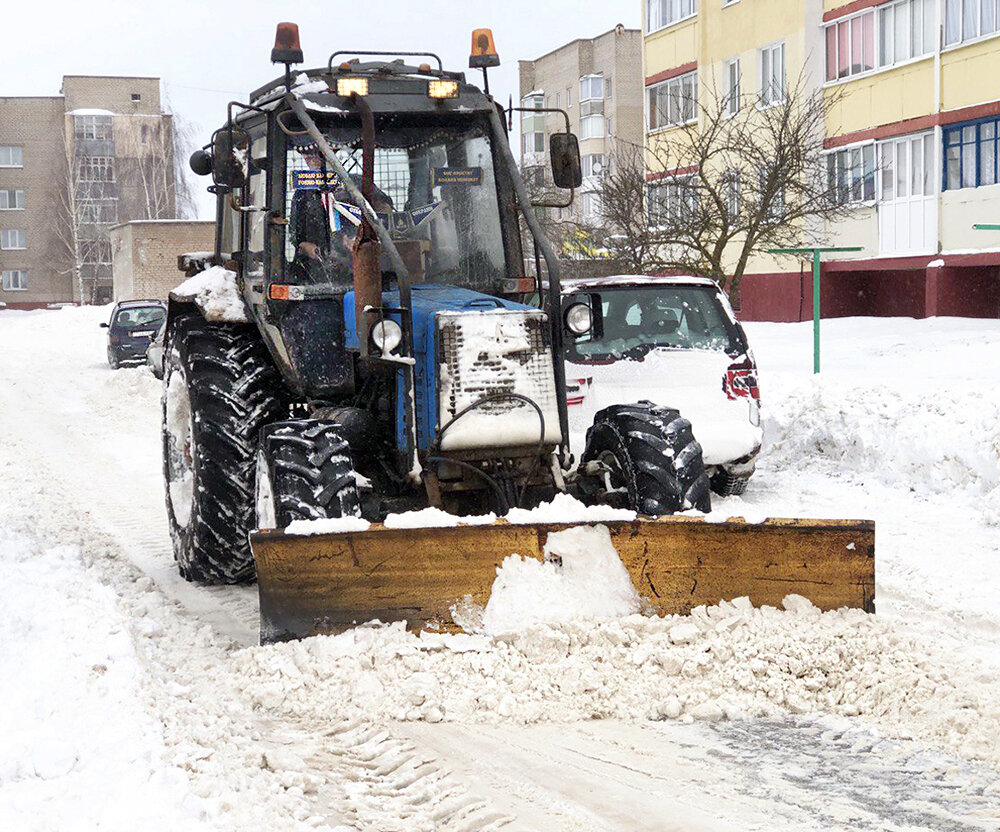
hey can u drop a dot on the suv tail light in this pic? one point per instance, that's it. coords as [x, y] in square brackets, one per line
[740, 380]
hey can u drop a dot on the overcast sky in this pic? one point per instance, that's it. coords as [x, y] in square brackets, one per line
[211, 52]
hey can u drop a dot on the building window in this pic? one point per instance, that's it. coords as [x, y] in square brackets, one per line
[673, 102]
[592, 127]
[970, 19]
[589, 204]
[98, 211]
[593, 164]
[772, 74]
[850, 46]
[533, 125]
[851, 174]
[970, 154]
[15, 280]
[12, 239]
[11, 156]
[97, 169]
[607, 87]
[886, 35]
[731, 71]
[534, 177]
[591, 87]
[660, 13]
[92, 127]
[906, 30]
[731, 192]
[569, 96]
[775, 207]
[136, 96]
[672, 200]
[11, 200]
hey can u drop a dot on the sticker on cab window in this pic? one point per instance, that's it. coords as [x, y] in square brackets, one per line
[458, 176]
[313, 179]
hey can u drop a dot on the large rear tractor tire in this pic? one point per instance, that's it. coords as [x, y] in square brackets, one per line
[304, 472]
[220, 388]
[652, 461]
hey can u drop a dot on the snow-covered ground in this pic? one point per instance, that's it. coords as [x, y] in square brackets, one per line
[136, 701]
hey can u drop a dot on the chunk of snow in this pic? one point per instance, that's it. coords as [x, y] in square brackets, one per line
[564, 508]
[589, 582]
[432, 517]
[215, 293]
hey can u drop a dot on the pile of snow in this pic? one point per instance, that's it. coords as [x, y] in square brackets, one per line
[898, 399]
[947, 443]
[730, 660]
[581, 579]
[435, 518]
[215, 293]
[77, 747]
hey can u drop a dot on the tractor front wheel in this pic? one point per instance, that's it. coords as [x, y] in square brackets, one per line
[649, 458]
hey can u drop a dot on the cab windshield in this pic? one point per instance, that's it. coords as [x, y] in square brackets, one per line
[640, 320]
[435, 190]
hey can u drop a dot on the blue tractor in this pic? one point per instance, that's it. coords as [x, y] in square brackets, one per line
[367, 350]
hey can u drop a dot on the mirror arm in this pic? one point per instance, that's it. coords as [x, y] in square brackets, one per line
[566, 204]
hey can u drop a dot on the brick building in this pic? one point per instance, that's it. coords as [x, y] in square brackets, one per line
[597, 82]
[71, 167]
[144, 254]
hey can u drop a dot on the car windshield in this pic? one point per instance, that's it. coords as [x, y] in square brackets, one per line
[435, 189]
[639, 320]
[139, 315]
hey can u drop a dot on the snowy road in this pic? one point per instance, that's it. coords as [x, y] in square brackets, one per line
[132, 686]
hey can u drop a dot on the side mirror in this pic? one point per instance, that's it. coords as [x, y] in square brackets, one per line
[230, 157]
[201, 163]
[564, 151]
[104, 326]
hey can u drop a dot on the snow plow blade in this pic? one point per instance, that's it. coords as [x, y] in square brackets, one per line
[327, 583]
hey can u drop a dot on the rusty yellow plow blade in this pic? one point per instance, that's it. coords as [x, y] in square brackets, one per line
[326, 583]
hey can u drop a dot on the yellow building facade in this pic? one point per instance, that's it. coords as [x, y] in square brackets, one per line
[912, 138]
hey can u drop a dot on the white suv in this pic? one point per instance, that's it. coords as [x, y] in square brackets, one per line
[676, 342]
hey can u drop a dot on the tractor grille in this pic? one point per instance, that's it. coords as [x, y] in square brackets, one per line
[490, 353]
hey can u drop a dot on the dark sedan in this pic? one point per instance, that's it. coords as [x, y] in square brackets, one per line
[133, 325]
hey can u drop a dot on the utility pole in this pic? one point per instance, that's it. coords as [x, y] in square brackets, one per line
[815, 252]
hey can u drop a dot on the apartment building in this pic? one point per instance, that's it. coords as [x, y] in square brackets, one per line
[597, 82]
[911, 139]
[71, 167]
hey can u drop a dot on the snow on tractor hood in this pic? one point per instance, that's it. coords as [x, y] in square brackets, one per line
[689, 380]
[215, 293]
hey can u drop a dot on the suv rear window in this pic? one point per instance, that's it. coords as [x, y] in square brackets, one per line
[139, 315]
[638, 320]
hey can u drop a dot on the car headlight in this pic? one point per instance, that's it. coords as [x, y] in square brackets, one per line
[579, 319]
[386, 335]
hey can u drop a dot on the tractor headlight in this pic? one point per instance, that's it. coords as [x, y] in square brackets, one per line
[346, 87]
[579, 319]
[386, 335]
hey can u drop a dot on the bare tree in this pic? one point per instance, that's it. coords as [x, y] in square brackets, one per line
[112, 172]
[742, 175]
[66, 213]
